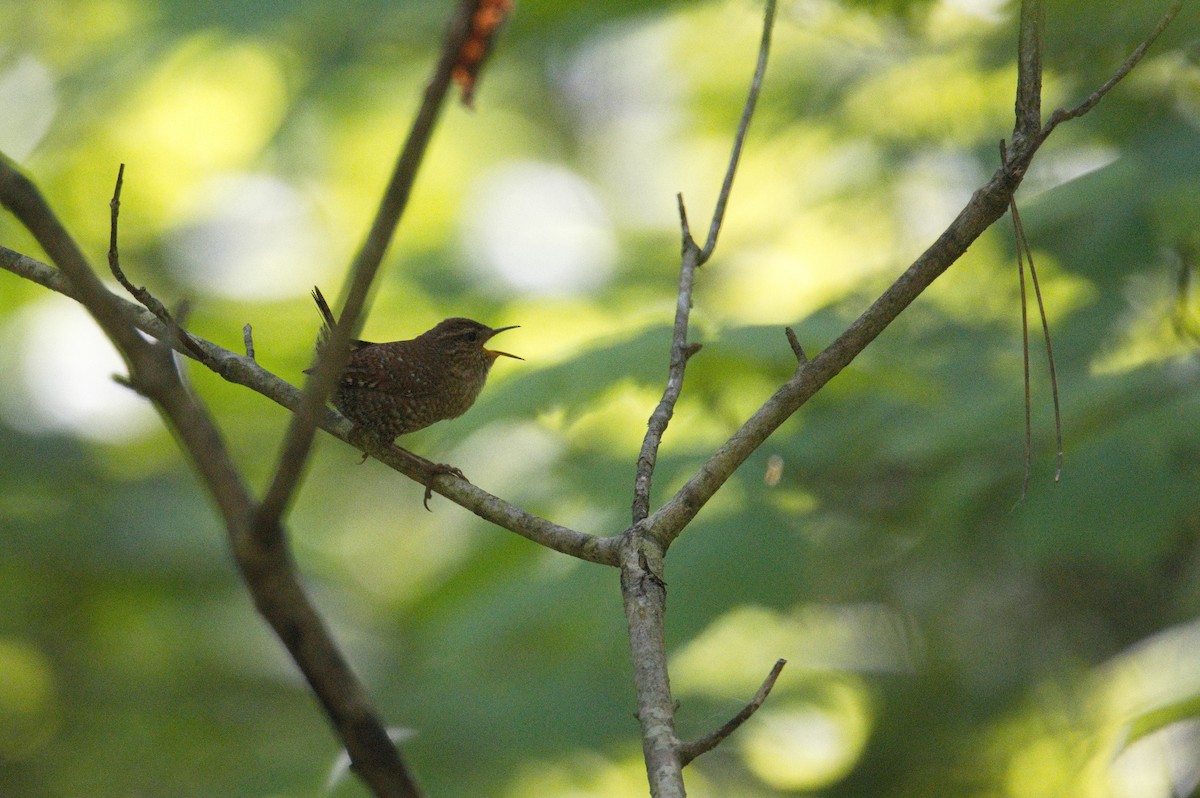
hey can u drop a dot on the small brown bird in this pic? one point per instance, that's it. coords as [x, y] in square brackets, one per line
[402, 386]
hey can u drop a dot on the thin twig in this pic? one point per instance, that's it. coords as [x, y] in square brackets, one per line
[690, 751]
[661, 417]
[692, 258]
[794, 342]
[297, 444]
[1025, 255]
[760, 70]
[1063, 114]
[1025, 362]
[140, 293]
[248, 340]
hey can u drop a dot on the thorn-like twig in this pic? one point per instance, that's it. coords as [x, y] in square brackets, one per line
[690, 751]
[801, 358]
[248, 340]
[140, 293]
[685, 229]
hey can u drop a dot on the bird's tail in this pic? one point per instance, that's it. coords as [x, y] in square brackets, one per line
[326, 316]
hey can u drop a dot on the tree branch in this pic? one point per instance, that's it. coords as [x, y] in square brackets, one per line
[645, 598]
[691, 750]
[1063, 114]
[643, 590]
[1028, 105]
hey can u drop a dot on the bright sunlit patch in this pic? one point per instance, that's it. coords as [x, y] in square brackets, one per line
[804, 744]
[1147, 330]
[1057, 167]
[731, 655]
[30, 102]
[254, 237]
[1159, 765]
[984, 9]
[943, 97]
[951, 20]
[932, 189]
[587, 775]
[541, 229]
[629, 126]
[210, 106]
[65, 371]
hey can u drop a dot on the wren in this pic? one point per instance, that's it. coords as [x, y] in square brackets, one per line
[393, 388]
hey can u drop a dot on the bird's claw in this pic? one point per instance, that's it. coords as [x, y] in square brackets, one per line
[436, 470]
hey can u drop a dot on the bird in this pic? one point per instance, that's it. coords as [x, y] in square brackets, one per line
[394, 388]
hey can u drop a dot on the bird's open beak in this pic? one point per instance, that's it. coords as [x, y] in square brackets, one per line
[495, 353]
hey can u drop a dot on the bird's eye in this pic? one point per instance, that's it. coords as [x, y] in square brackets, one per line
[472, 335]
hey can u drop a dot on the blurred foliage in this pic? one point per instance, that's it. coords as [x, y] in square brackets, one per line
[945, 637]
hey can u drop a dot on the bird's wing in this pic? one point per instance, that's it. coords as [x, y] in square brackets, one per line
[391, 373]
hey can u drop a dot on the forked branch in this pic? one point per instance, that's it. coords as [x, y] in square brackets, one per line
[643, 589]
[985, 206]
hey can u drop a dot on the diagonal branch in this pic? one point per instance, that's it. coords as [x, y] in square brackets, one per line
[293, 456]
[690, 751]
[1064, 114]
[694, 257]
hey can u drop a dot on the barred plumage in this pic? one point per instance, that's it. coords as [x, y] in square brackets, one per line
[393, 388]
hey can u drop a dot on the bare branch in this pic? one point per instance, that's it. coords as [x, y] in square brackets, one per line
[1062, 115]
[248, 340]
[141, 294]
[665, 409]
[644, 594]
[692, 258]
[643, 590]
[690, 751]
[764, 49]
[1029, 70]
[794, 342]
[297, 443]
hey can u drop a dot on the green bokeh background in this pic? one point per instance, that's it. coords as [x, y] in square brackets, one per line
[944, 637]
